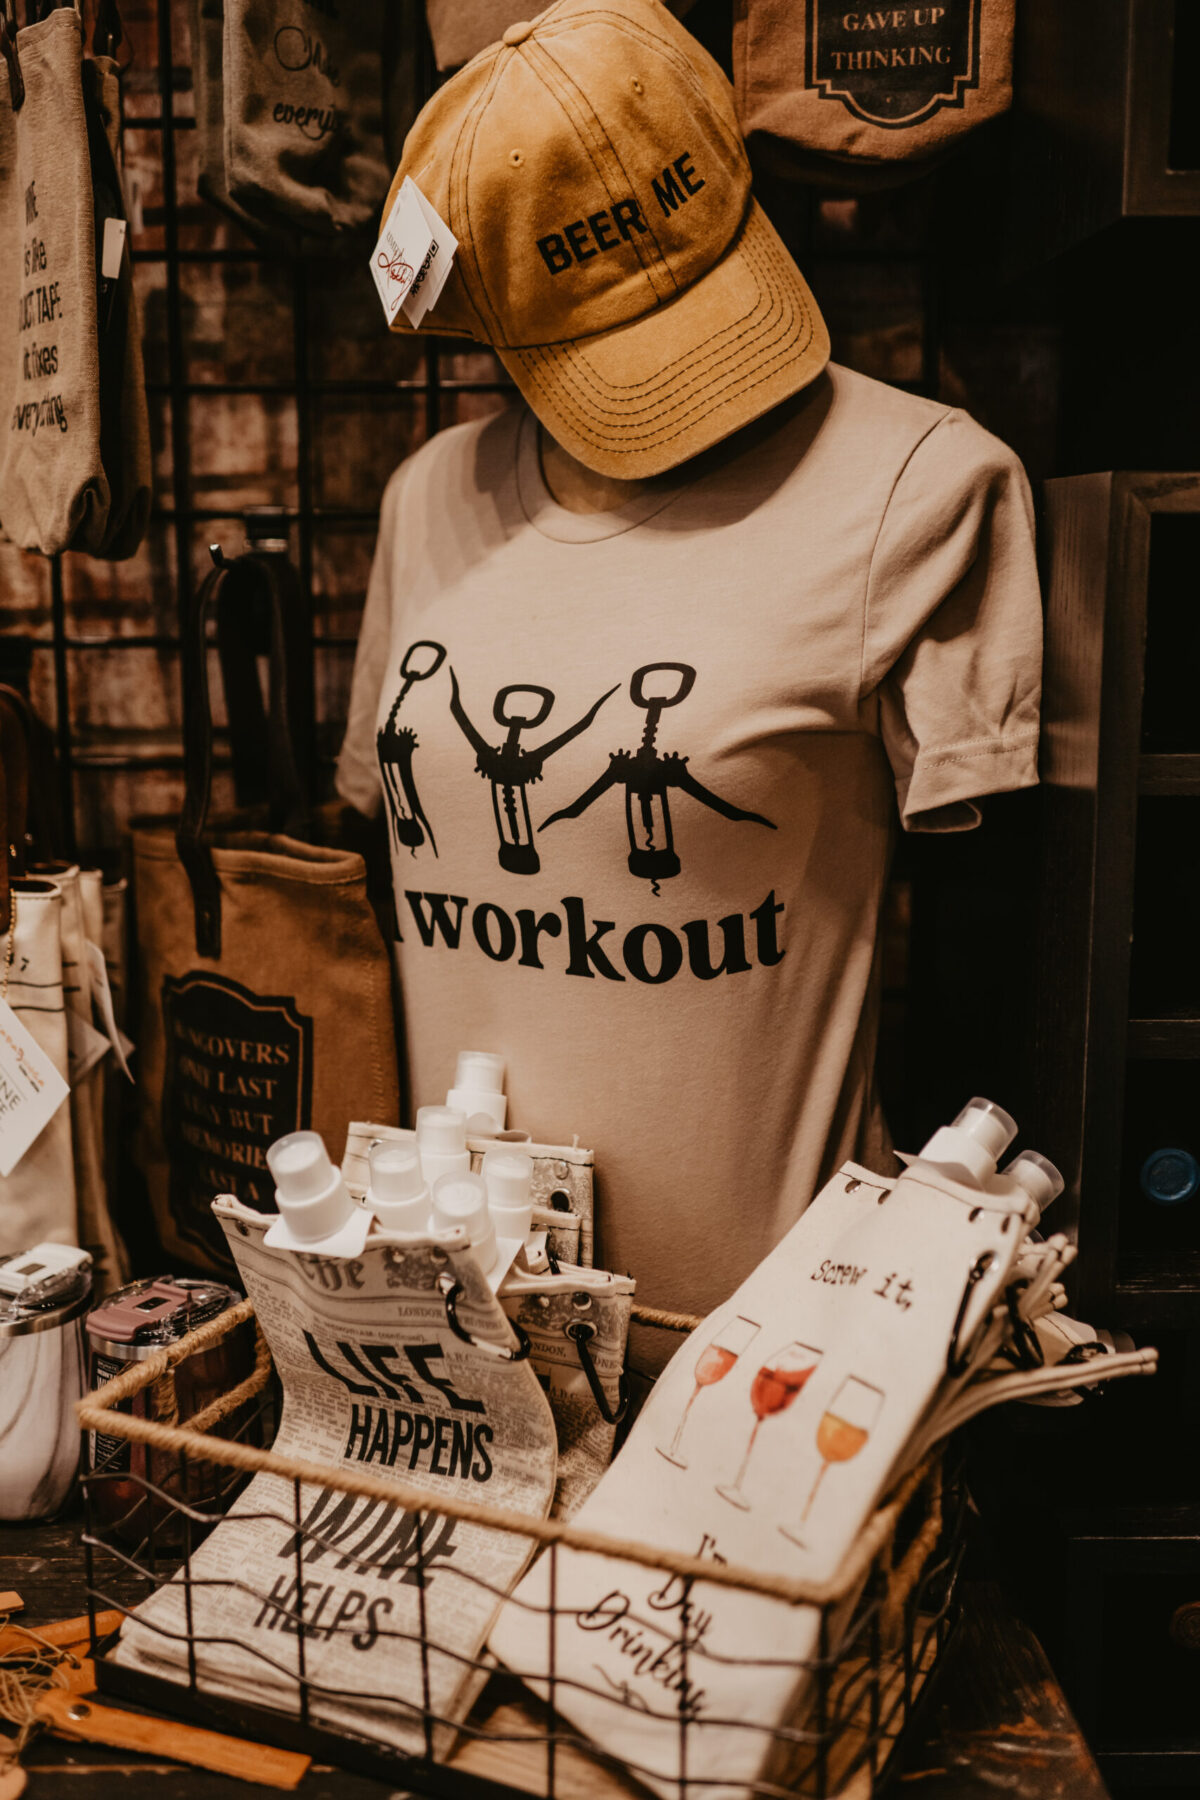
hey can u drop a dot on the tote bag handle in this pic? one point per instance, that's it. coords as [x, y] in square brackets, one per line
[254, 586]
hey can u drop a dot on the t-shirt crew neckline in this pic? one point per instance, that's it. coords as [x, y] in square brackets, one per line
[558, 522]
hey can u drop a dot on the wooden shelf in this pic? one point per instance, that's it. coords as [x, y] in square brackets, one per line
[1170, 1039]
[1177, 774]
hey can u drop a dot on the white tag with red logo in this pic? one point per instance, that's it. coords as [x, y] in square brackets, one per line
[412, 259]
[427, 288]
[31, 1089]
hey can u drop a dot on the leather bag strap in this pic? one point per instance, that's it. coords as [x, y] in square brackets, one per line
[252, 588]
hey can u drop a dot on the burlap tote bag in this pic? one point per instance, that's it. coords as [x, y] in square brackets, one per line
[266, 987]
[860, 95]
[53, 488]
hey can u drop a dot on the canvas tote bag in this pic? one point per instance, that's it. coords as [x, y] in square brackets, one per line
[53, 488]
[124, 419]
[823, 89]
[37, 1198]
[266, 987]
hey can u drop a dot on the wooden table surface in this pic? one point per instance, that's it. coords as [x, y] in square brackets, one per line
[997, 1723]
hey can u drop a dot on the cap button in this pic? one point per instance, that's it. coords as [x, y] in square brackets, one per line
[516, 34]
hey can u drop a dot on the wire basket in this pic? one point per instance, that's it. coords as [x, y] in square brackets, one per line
[883, 1620]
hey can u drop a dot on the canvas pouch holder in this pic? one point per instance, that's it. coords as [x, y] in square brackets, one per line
[578, 1323]
[823, 90]
[53, 486]
[377, 1381]
[266, 986]
[562, 1183]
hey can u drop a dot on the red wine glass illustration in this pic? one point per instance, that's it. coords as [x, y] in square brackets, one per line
[845, 1426]
[772, 1391]
[712, 1365]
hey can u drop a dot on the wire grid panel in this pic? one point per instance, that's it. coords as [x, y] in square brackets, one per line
[882, 1622]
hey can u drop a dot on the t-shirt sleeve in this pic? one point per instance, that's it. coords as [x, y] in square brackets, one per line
[952, 644]
[357, 777]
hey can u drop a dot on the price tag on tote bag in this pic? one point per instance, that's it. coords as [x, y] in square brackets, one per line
[31, 1089]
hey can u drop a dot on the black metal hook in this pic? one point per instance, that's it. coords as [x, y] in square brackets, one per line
[450, 1287]
[956, 1358]
[580, 1332]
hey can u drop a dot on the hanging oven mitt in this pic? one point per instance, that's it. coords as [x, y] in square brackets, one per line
[578, 1323]
[833, 94]
[397, 1366]
[304, 112]
[53, 487]
[124, 419]
[562, 1182]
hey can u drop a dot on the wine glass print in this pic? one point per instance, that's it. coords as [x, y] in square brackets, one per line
[712, 1365]
[781, 1378]
[845, 1426]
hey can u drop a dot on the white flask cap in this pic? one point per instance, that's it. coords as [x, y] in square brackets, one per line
[478, 1090]
[480, 1069]
[397, 1195]
[316, 1213]
[975, 1141]
[442, 1130]
[508, 1177]
[462, 1200]
[1037, 1175]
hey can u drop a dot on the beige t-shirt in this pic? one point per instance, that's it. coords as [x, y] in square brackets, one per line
[664, 916]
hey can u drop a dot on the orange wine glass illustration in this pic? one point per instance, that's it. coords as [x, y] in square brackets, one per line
[712, 1365]
[845, 1426]
[772, 1391]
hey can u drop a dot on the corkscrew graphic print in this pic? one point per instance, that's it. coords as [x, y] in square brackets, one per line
[647, 776]
[395, 746]
[511, 768]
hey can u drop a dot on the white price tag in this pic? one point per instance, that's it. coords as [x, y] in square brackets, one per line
[102, 1000]
[31, 1089]
[113, 248]
[405, 248]
[428, 286]
[413, 257]
[85, 1047]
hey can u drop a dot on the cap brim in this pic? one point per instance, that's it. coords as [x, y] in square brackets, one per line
[645, 397]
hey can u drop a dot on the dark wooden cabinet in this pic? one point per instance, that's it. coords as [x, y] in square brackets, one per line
[1118, 1034]
[1105, 121]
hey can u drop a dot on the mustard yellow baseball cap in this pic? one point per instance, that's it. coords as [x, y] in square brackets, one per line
[610, 248]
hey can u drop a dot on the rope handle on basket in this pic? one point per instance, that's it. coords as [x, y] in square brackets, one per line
[96, 1412]
[450, 1287]
[902, 1577]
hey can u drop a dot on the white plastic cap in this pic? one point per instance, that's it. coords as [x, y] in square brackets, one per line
[301, 1166]
[508, 1177]
[316, 1211]
[462, 1200]
[975, 1141]
[479, 1069]
[397, 1195]
[442, 1130]
[478, 1090]
[1037, 1175]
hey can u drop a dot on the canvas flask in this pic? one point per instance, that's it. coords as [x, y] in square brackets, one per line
[822, 89]
[266, 986]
